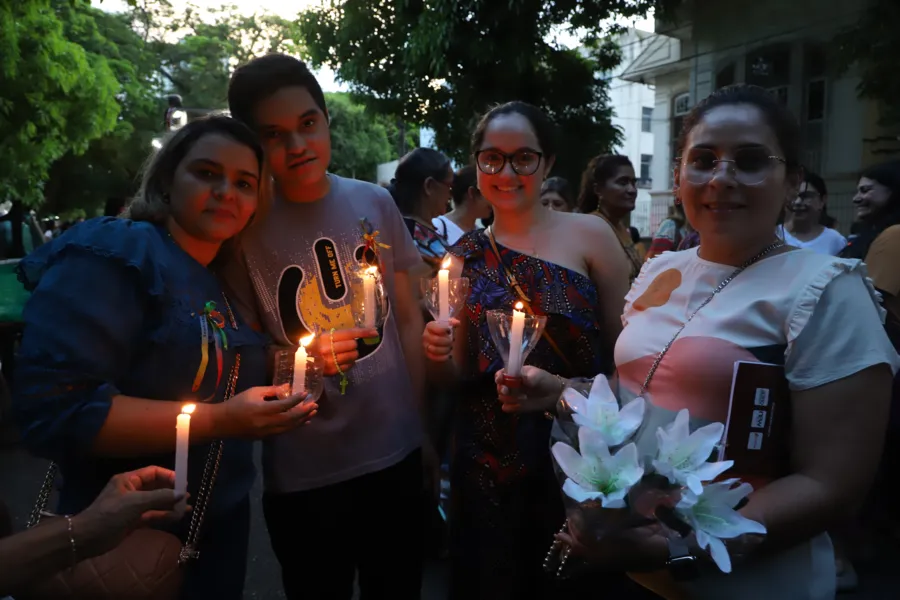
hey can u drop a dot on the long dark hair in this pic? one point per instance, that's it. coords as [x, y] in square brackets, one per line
[412, 171]
[599, 170]
[888, 175]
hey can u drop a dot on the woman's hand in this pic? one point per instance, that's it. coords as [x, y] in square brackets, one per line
[130, 500]
[634, 549]
[250, 415]
[539, 392]
[339, 351]
[437, 340]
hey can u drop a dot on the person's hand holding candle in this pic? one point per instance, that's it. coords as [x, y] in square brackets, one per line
[539, 391]
[339, 350]
[437, 340]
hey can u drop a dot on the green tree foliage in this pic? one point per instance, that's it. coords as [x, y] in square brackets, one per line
[359, 142]
[872, 44]
[56, 96]
[444, 62]
[110, 167]
[211, 44]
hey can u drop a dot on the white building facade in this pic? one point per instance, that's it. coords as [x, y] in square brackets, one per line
[633, 105]
[781, 46]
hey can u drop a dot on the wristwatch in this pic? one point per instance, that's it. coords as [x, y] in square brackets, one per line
[682, 565]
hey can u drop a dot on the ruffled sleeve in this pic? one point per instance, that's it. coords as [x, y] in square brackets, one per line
[83, 322]
[835, 328]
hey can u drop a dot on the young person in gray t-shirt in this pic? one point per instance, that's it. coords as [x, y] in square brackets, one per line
[344, 493]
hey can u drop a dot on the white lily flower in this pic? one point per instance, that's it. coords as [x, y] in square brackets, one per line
[595, 474]
[600, 412]
[712, 516]
[682, 456]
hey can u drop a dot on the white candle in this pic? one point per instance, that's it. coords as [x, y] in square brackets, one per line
[516, 333]
[369, 309]
[182, 445]
[444, 292]
[301, 357]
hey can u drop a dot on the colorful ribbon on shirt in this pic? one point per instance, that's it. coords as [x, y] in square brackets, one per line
[210, 319]
[370, 237]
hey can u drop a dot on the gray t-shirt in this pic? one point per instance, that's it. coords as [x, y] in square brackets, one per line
[299, 258]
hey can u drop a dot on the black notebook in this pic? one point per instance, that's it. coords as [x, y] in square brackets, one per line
[757, 432]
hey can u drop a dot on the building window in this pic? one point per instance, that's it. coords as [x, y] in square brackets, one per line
[646, 162]
[646, 119]
[681, 106]
[725, 77]
[815, 100]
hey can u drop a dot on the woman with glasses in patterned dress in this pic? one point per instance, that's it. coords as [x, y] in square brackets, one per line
[505, 502]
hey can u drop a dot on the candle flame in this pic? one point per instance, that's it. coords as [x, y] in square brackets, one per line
[372, 270]
[519, 306]
[307, 340]
[188, 409]
[447, 262]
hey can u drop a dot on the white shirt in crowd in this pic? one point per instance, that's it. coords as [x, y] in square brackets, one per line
[828, 242]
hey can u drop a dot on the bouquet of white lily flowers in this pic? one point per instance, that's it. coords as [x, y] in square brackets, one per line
[609, 485]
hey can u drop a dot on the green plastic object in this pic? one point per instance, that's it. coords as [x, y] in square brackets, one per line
[12, 293]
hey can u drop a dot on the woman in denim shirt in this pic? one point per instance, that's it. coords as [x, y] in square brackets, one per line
[113, 343]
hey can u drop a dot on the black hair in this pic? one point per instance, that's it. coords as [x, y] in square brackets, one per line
[888, 175]
[464, 179]
[559, 185]
[778, 116]
[174, 100]
[635, 234]
[544, 129]
[264, 76]
[816, 182]
[600, 169]
[412, 171]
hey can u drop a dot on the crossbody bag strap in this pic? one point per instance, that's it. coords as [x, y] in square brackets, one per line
[514, 284]
[715, 292]
[210, 472]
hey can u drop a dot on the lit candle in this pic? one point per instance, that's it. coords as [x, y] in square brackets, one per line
[369, 297]
[182, 444]
[300, 360]
[516, 333]
[444, 292]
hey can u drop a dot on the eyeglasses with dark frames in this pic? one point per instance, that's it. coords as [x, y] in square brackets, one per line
[524, 161]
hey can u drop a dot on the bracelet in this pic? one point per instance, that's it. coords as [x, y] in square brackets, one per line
[344, 380]
[71, 530]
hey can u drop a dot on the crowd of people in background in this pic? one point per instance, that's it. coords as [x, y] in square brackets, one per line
[240, 242]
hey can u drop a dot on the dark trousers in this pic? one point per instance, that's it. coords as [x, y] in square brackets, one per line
[372, 525]
[219, 571]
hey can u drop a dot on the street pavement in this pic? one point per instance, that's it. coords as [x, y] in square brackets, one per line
[21, 475]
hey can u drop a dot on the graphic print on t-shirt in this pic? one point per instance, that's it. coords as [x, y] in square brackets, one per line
[316, 304]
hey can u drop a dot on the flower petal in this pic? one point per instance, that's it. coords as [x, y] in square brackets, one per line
[602, 392]
[572, 463]
[726, 523]
[701, 443]
[579, 493]
[710, 470]
[575, 400]
[719, 554]
[593, 446]
[724, 492]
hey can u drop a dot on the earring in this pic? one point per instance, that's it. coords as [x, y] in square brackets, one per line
[677, 201]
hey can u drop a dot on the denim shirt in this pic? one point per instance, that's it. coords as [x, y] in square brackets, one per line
[115, 309]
